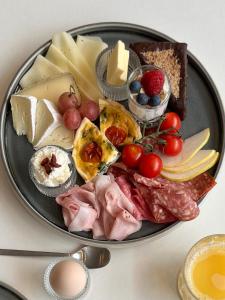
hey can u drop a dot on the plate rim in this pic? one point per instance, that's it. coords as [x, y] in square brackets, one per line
[98, 26]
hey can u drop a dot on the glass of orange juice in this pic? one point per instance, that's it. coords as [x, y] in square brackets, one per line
[203, 274]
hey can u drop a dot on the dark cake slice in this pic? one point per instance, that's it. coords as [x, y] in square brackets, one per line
[171, 57]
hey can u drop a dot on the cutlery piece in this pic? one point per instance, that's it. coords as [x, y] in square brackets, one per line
[92, 257]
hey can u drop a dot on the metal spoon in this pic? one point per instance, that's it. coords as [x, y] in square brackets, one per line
[92, 257]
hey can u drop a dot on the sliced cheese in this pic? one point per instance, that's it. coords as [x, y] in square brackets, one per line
[200, 157]
[42, 69]
[47, 120]
[190, 147]
[51, 88]
[66, 44]
[23, 114]
[87, 133]
[61, 136]
[86, 88]
[90, 47]
[117, 68]
[190, 174]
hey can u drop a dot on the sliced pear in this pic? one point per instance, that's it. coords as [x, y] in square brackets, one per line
[185, 176]
[190, 147]
[200, 157]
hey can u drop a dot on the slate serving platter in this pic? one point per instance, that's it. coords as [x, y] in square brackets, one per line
[8, 293]
[204, 110]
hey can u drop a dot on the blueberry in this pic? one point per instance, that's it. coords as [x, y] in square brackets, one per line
[135, 86]
[154, 100]
[142, 99]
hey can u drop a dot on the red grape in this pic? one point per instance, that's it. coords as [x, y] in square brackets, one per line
[66, 101]
[89, 109]
[72, 118]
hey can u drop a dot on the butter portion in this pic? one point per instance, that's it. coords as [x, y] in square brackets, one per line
[118, 65]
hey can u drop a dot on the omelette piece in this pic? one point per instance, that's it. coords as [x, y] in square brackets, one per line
[114, 114]
[92, 151]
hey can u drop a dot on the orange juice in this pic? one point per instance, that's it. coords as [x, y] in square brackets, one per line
[203, 275]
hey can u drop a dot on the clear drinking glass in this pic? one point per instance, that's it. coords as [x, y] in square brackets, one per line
[185, 288]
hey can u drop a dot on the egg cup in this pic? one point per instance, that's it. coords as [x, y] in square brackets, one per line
[50, 290]
[114, 92]
[146, 113]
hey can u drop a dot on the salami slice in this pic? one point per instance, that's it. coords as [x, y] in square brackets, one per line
[162, 201]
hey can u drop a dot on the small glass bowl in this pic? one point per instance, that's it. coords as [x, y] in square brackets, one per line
[50, 290]
[114, 92]
[145, 113]
[53, 191]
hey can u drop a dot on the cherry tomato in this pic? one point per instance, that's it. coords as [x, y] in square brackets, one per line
[116, 135]
[150, 165]
[91, 152]
[173, 145]
[131, 155]
[171, 120]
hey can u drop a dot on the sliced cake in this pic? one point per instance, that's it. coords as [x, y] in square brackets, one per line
[172, 58]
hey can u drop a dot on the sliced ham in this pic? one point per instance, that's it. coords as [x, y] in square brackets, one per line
[102, 207]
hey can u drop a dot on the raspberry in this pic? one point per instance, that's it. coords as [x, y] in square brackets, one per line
[152, 82]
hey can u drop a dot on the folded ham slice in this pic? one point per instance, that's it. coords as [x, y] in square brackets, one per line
[102, 207]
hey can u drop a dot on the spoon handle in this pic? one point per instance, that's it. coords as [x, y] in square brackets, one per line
[12, 252]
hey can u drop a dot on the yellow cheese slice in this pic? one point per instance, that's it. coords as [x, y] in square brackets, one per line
[86, 88]
[41, 69]
[190, 174]
[51, 89]
[88, 133]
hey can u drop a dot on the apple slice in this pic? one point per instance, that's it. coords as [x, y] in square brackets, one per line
[187, 175]
[200, 157]
[190, 147]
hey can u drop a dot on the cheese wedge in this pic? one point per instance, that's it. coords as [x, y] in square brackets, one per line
[200, 157]
[61, 136]
[190, 174]
[23, 114]
[90, 47]
[86, 88]
[190, 147]
[47, 120]
[41, 69]
[115, 114]
[88, 133]
[66, 44]
[51, 88]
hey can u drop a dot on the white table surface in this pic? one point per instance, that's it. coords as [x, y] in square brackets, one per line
[148, 271]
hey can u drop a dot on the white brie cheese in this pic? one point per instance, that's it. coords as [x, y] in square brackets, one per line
[23, 114]
[47, 120]
[61, 136]
[42, 69]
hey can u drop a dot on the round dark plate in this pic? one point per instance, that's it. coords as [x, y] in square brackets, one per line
[204, 110]
[8, 293]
